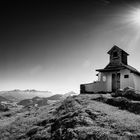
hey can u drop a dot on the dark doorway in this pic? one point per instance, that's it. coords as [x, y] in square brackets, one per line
[115, 81]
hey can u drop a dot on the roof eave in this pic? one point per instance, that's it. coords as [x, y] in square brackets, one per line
[107, 70]
[138, 73]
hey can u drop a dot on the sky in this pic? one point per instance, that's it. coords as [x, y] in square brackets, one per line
[57, 45]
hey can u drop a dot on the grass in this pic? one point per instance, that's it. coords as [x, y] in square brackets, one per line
[22, 121]
[79, 117]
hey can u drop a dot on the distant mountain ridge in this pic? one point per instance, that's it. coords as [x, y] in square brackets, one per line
[44, 101]
[17, 95]
[61, 96]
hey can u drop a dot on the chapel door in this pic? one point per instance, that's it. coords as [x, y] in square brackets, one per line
[115, 81]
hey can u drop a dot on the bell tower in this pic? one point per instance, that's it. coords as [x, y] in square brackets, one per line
[117, 56]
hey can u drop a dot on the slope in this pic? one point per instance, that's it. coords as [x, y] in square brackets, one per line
[75, 118]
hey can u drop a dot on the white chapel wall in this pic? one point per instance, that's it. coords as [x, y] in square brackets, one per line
[126, 82]
[137, 81]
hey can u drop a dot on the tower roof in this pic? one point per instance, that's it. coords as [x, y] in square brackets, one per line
[117, 68]
[116, 48]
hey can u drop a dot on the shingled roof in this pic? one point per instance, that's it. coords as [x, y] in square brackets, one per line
[110, 68]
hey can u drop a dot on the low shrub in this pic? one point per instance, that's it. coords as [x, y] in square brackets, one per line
[128, 93]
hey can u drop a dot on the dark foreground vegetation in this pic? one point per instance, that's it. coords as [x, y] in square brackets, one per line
[82, 117]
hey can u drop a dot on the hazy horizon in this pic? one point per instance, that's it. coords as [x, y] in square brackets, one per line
[58, 45]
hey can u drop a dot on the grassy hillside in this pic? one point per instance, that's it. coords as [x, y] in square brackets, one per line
[3, 99]
[80, 117]
[55, 97]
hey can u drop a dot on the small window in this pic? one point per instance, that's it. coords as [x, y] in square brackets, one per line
[115, 54]
[126, 76]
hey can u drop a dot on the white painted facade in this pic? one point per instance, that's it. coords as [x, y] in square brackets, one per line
[126, 82]
[105, 82]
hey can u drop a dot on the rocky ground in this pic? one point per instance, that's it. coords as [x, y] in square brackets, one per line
[82, 117]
